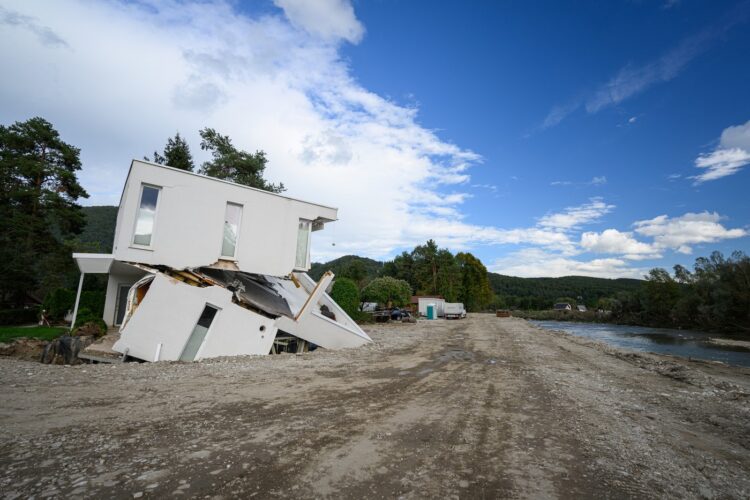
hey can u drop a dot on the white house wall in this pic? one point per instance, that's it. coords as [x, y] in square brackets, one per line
[169, 312]
[189, 222]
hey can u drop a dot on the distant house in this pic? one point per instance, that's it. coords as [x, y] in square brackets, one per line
[563, 306]
[581, 308]
[419, 304]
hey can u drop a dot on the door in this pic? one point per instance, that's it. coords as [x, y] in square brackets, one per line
[122, 301]
[198, 335]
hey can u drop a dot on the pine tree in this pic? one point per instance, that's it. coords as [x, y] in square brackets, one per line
[176, 154]
[38, 211]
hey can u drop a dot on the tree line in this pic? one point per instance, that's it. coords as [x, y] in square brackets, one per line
[426, 270]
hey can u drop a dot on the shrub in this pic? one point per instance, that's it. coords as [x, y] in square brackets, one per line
[58, 302]
[89, 323]
[346, 294]
[387, 291]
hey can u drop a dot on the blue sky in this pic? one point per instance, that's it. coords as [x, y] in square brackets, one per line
[601, 139]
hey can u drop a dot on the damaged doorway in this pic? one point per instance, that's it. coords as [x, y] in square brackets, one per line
[122, 303]
[198, 336]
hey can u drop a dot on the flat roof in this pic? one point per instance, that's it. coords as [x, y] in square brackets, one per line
[186, 172]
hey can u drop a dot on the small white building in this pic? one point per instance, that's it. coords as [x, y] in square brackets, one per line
[202, 267]
[423, 302]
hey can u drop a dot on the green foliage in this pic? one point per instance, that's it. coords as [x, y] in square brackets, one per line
[346, 294]
[476, 293]
[541, 293]
[20, 316]
[60, 301]
[387, 291]
[348, 266]
[661, 293]
[90, 322]
[99, 232]
[38, 211]
[8, 333]
[176, 154]
[232, 164]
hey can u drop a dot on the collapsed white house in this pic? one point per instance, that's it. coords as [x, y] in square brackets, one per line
[202, 267]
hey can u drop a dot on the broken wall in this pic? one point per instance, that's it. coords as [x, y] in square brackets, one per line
[171, 309]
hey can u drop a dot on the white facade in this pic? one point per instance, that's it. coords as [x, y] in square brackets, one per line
[184, 221]
[188, 222]
[425, 301]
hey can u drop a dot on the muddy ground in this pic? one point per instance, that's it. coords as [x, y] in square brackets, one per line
[478, 408]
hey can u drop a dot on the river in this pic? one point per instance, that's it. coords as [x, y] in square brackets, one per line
[684, 343]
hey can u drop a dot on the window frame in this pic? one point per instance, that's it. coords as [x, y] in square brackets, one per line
[239, 227]
[150, 246]
[307, 253]
[208, 331]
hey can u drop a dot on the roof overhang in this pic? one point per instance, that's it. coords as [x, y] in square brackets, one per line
[94, 263]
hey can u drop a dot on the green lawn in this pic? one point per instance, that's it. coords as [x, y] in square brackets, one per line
[39, 332]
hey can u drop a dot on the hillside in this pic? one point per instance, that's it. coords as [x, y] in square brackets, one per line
[549, 289]
[341, 266]
[99, 232]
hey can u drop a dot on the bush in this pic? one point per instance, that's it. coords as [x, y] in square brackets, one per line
[19, 316]
[60, 301]
[387, 291]
[89, 323]
[346, 294]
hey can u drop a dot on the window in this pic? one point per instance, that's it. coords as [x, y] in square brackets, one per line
[303, 245]
[231, 230]
[196, 339]
[144, 222]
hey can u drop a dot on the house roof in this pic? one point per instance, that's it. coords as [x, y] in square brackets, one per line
[214, 179]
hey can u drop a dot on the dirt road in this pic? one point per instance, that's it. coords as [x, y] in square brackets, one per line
[479, 408]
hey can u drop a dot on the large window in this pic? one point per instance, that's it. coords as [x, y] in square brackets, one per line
[232, 218]
[303, 245]
[144, 223]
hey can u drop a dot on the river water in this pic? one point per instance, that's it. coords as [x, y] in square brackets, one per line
[685, 343]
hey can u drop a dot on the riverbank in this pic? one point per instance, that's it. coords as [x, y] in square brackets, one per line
[481, 407]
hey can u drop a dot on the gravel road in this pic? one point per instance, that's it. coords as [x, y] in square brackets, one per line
[478, 408]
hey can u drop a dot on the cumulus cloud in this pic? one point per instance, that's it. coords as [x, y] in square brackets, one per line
[679, 233]
[613, 241]
[534, 263]
[731, 155]
[327, 19]
[575, 217]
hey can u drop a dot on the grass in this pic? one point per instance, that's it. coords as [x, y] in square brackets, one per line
[38, 332]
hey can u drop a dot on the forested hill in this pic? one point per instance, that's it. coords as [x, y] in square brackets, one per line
[362, 268]
[99, 232]
[551, 289]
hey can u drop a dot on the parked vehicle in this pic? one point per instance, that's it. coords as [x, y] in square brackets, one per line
[454, 310]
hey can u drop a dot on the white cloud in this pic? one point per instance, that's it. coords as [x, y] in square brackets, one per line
[732, 153]
[43, 33]
[632, 79]
[534, 263]
[678, 233]
[574, 217]
[613, 241]
[598, 181]
[327, 19]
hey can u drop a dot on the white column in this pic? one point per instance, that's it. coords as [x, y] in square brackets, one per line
[78, 299]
